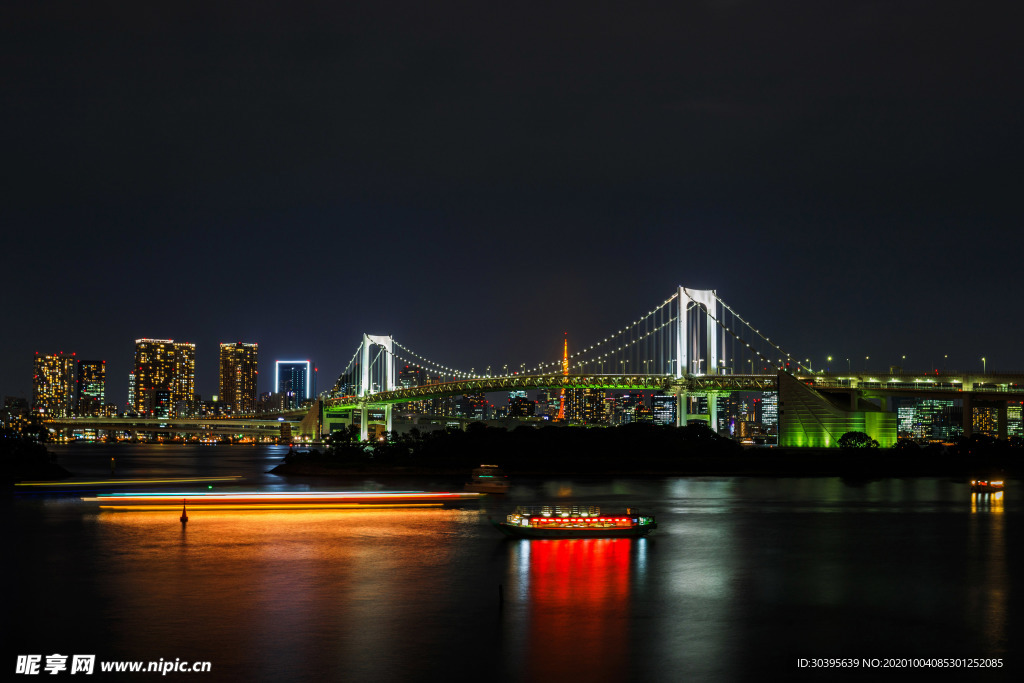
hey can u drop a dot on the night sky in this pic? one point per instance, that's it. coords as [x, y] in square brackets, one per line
[476, 178]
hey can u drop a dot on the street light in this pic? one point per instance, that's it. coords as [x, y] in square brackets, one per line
[983, 366]
[828, 368]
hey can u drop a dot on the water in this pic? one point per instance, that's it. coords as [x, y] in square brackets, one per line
[743, 577]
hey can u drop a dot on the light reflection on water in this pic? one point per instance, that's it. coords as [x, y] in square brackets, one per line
[575, 598]
[742, 577]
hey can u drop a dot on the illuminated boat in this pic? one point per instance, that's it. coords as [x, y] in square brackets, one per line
[986, 485]
[488, 479]
[288, 500]
[576, 521]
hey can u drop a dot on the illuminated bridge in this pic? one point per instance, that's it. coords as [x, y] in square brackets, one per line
[691, 345]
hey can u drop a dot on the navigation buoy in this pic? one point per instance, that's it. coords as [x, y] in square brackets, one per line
[184, 515]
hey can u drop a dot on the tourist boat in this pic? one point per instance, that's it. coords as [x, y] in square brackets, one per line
[488, 479]
[575, 521]
[986, 485]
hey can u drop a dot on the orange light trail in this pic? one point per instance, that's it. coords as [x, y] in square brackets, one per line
[272, 506]
[270, 500]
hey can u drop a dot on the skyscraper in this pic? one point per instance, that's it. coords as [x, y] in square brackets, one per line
[53, 385]
[293, 378]
[92, 387]
[166, 366]
[238, 369]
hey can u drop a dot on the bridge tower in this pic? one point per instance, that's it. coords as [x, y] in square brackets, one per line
[387, 344]
[708, 300]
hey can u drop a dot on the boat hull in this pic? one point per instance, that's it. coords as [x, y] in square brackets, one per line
[515, 531]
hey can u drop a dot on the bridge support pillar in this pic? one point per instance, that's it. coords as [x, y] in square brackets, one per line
[967, 419]
[364, 421]
[682, 406]
[713, 411]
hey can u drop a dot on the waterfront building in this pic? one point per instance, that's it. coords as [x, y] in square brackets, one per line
[238, 370]
[161, 404]
[939, 419]
[908, 419]
[811, 419]
[92, 382]
[643, 414]
[15, 414]
[663, 406]
[131, 392]
[623, 408]
[521, 406]
[273, 402]
[769, 417]
[53, 384]
[184, 386]
[293, 379]
[547, 403]
[1013, 419]
[163, 365]
[584, 406]
[474, 406]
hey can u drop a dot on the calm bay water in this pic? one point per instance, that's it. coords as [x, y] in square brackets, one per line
[743, 577]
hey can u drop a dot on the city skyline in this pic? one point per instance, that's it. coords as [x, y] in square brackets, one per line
[477, 183]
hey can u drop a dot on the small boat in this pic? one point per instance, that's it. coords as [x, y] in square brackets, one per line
[986, 485]
[488, 479]
[575, 521]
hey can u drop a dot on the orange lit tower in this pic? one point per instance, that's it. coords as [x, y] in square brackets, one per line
[565, 372]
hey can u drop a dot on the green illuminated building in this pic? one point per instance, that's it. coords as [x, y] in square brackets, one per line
[814, 419]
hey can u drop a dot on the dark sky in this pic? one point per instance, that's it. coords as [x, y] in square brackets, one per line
[478, 177]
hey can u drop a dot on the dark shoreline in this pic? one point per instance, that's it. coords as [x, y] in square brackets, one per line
[864, 465]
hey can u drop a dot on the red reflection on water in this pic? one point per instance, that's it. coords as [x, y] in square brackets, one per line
[579, 608]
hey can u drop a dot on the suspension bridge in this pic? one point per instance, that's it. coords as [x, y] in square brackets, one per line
[693, 344]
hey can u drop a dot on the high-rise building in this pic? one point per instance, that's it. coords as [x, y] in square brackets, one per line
[163, 365]
[92, 388]
[238, 363]
[624, 408]
[1013, 418]
[474, 406]
[293, 380]
[664, 408]
[520, 405]
[770, 410]
[53, 385]
[184, 387]
[131, 392]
